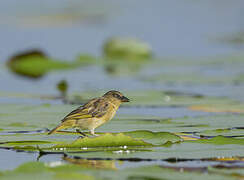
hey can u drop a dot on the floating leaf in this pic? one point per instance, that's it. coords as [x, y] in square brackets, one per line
[127, 48]
[106, 140]
[35, 64]
[68, 171]
[38, 170]
[156, 138]
[221, 140]
[233, 131]
[233, 108]
[186, 149]
[19, 143]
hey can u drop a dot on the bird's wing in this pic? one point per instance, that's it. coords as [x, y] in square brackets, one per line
[94, 108]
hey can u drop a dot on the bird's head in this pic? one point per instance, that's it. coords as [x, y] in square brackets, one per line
[116, 96]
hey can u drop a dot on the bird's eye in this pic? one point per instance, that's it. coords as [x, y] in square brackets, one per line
[117, 96]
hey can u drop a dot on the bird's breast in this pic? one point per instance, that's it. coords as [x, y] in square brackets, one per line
[110, 114]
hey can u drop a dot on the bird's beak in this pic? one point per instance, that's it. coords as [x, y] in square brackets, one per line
[125, 99]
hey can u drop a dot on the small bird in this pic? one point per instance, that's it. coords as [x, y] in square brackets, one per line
[93, 114]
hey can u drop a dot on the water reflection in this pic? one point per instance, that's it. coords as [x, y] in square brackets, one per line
[122, 68]
[86, 163]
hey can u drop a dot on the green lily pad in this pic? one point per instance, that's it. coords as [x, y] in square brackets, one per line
[223, 132]
[200, 124]
[220, 140]
[68, 171]
[31, 117]
[156, 138]
[106, 140]
[41, 171]
[19, 143]
[35, 64]
[230, 107]
[186, 149]
[33, 140]
[134, 138]
[127, 48]
[113, 141]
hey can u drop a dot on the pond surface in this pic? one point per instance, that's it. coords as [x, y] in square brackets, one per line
[185, 118]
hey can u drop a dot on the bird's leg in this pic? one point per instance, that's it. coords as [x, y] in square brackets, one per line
[92, 131]
[82, 134]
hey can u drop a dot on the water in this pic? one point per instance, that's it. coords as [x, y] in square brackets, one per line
[173, 28]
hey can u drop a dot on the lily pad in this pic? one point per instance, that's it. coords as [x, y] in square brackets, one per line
[41, 171]
[126, 48]
[68, 171]
[186, 149]
[127, 139]
[232, 107]
[19, 143]
[156, 138]
[35, 64]
[234, 131]
[220, 140]
[107, 140]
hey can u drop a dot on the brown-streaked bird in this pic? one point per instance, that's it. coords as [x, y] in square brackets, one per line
[93, 114]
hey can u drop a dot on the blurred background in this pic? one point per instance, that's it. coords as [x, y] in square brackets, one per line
[195, 43]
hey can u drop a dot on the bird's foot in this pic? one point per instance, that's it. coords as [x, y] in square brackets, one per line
[81, 133]
[92, 132]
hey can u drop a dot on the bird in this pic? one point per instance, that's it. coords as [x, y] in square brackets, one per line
[92, 114]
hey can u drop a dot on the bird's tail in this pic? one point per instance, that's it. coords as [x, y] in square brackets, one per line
[63, 125]
[59, 127]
